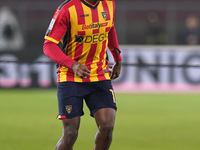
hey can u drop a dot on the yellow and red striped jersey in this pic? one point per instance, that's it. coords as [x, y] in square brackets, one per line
[83, 29]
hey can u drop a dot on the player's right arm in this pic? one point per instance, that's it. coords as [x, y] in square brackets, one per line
[55, 54]
[56, 30]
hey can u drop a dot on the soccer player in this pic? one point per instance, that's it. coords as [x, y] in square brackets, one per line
[85, 28]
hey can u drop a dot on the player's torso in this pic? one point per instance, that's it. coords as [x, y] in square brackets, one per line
[88, 36]
[89, 27]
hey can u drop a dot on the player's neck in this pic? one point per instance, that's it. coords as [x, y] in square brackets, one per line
[92, 1]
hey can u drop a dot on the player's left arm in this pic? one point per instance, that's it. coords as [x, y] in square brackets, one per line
[116, 70]
[114, 48]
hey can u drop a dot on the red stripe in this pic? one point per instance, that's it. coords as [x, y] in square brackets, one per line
[95, 31]
[78, 51]
[58, 74]
[68, 39]
[108, 29]
[91, 53]
[95, 15]
[100, 63]
[81, 32]
[62, 117]
[90, 58]
[79, 11]
[70, 75]
[105, 8]
[87, 79]
[113, 12]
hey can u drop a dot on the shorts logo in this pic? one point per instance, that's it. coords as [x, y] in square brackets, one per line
[68, 108]
[104, 15]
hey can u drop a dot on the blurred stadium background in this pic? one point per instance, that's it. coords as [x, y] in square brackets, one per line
[157, 92]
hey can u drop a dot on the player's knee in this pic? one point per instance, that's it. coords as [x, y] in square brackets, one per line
[106, 129]
[70, 136]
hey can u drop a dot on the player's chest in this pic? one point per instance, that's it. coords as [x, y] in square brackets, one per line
[90, 21]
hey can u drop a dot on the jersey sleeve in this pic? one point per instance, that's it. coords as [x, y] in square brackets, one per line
[54, 34]
[113, 40]
[113, 44]
[58, 26]
[55, 54]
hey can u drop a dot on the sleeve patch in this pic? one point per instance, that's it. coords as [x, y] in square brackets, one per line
[51, 24]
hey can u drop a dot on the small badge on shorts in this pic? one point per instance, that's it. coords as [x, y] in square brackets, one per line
[68, 108]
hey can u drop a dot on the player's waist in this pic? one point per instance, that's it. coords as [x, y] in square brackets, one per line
[93, 77]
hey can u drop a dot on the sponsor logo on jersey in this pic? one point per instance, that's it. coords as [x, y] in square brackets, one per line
[51, 24]
[104, 15]
[91, 39]
[94, 26]
[85, 15]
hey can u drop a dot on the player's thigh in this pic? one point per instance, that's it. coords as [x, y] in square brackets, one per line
[71, 126]
[70, 100]
[101, 97]
[105, 117]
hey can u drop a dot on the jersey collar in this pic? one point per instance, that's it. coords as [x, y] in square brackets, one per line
[90, 5]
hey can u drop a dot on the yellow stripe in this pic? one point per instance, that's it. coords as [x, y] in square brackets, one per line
[86, 46]
[100, 9]
[72, 45]
[99, 46]
[110, 23]
[110, 7]
[74, 29]
[74, 22]
[58, 117]
[113, 95]
[51, 39]
[63, 75]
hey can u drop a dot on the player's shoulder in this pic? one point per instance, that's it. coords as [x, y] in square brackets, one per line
[110, 0]
[67, 4]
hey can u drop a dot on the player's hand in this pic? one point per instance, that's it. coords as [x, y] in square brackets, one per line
[116, 70]
[80, 70]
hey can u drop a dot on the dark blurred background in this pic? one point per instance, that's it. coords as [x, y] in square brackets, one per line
[138, 22]
[23, 24]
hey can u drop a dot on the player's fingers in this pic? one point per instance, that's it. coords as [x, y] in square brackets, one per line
[87, 71]
[80, 70]
[81, 75]
[113, 76]
[83, 72]
[110, 70]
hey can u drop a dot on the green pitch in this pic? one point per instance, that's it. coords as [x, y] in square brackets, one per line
[143, 122]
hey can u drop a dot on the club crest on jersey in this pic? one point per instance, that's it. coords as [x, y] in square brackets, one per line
[68, 108]
[104, 15]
